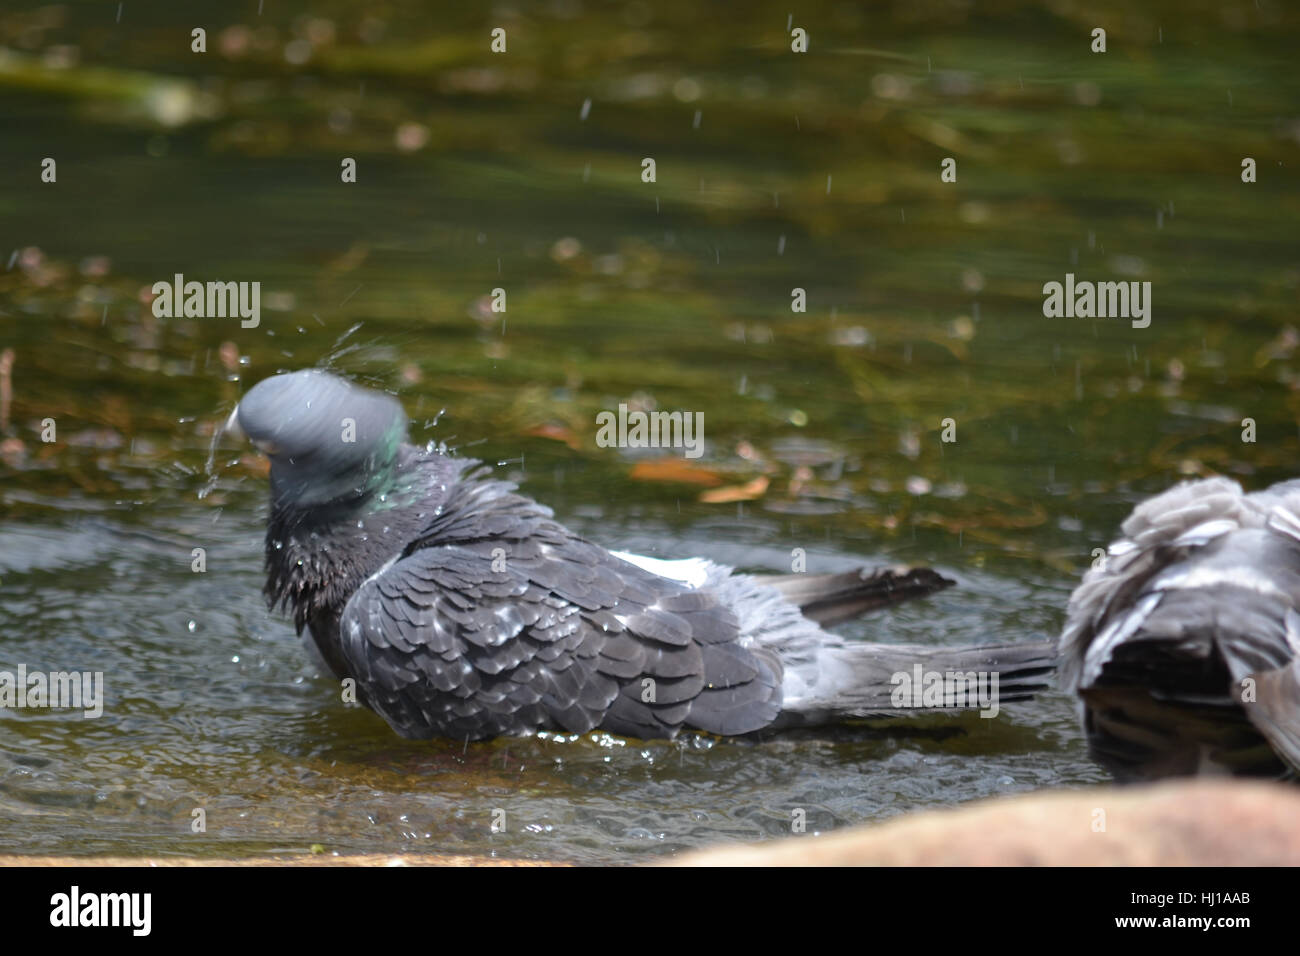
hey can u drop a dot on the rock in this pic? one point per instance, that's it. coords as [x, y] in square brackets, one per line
[1197, 822]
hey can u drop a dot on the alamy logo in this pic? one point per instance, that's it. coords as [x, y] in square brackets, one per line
[651, 430]
[1098, 300]
[75, 908]
[940, 689]
[76, 690]
[212, 300]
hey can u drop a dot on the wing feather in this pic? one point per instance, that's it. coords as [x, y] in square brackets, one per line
[497, 620]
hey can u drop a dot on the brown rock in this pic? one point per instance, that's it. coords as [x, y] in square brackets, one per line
[1181, 823]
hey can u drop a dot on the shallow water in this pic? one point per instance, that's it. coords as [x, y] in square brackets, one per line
[211, 703]
[924, 303]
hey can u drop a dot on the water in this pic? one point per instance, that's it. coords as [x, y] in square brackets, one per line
[924, 304]
[227, 715]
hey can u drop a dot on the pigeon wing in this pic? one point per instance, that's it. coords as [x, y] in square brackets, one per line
[1108, 603]
[498, 620]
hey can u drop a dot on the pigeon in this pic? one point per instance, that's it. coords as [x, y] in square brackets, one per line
[459, 608]
[1183, 641]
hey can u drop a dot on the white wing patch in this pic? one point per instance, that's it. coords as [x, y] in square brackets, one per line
[1200, 577]
[1205, 532]
[692, 572]
[1284, 521]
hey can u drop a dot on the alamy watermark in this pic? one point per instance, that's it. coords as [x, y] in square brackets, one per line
[1098, 300]
[76, 909]
[71, 690]
[944, 689]
[211, 300]
[638, 429]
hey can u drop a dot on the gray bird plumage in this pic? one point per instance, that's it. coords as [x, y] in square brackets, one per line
[463, 609]
[1184, 644]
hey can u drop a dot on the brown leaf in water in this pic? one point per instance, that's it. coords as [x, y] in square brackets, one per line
[555, 433]
[746, 492]
[675, 469]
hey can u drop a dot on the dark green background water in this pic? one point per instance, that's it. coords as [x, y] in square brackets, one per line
[775, 170]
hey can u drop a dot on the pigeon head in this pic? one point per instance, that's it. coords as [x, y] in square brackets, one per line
[329, 441]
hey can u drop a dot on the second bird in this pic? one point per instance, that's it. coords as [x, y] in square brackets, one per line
[1183, 644]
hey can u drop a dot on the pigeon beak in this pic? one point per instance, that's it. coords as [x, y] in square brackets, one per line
[231, 427]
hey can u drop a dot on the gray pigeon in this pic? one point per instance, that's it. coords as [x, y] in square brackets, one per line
[463, 609]
[1183, 644]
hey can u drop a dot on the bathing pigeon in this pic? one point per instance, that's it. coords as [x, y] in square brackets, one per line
[1183, 643]
[463, 609]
